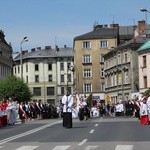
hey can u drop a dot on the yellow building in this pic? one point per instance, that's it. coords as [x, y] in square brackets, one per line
[89, 49]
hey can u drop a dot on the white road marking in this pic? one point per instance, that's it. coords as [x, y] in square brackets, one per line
[27, 133]
[1, 146]
[81, 143]
[27, 148]
[61, 147]
[91, 147]
[124, 147]
[92, 131]
[96, 125]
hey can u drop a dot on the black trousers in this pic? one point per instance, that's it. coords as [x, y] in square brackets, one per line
[67, 119]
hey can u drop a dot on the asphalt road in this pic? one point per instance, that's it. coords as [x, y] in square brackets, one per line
[94, 134]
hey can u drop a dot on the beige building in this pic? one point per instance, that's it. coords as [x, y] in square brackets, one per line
[89, 49]
[6, 62]
[48, 72]
[144, 67]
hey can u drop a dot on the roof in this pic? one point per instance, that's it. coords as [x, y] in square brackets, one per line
[144, 46]
[97, 34]
[136, 40]
[47, 53]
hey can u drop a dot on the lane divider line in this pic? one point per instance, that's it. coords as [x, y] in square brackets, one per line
[92, 131]
[96, 125]
[27, 133]
[82, 142]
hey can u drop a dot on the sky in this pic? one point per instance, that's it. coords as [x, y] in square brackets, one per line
[58, 22]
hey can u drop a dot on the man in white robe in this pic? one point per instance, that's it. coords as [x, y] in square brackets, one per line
[67, 101]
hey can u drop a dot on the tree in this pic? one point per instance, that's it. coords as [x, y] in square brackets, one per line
[15, 88]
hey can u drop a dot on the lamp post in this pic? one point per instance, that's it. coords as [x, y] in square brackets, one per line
[24, 40]
[146, 11]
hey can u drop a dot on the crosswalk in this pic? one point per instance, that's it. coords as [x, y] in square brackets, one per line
[68, 147]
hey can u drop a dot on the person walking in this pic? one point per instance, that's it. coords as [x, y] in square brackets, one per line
[144, 112]
[67, 101]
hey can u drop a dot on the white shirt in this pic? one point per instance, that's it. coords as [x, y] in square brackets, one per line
[70, 103]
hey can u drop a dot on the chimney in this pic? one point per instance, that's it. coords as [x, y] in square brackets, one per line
[65, 46]
[105, 26]
[114, 26]
[98, 27]
[141, 27]
[33, 50]
[48, 47]
[24, 52]
[38, 48]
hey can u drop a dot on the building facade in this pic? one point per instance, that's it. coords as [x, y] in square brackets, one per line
[144, 67]
[6, 62]
[48, 72]
[89, 49]
[121, 70]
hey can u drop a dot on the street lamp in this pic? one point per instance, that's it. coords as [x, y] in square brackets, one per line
[24, 40]
[146, 11]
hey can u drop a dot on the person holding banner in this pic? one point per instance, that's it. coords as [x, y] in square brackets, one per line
[67, 101]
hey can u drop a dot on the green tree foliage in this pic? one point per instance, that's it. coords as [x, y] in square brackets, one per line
[14, 87]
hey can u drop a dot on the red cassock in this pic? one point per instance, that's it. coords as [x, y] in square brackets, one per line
[144, 120]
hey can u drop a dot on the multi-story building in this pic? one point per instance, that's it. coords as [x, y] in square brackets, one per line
[144, 67]
[121, 70]
[89, 64]
[89, 50]
[48, 72]
[121, 67]
[6, 62]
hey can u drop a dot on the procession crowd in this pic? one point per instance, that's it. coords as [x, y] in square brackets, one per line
[138, 107]
[12, 111]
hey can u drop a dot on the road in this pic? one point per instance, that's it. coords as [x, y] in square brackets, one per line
[120, 133]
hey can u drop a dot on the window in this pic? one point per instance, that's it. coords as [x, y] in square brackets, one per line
[145, 81]
[102, 72]
[125, 57]
[26, 68]
[86, 59]
[86, 44]
[61, 66]
[37, 91]
[18, 69]
[69, 77]
[68, 65]
[69, 89]
[36, 67]
[50, 79]
[36, 78]
[62, 90]
[62, 78]
[144, 61]
[119, 59]
[15, 70]
[50, 91]
[104, 44]
[87, 88]
[26, 79]
[126, 77]
[87, 73]
[50, 66]
[102, 86]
